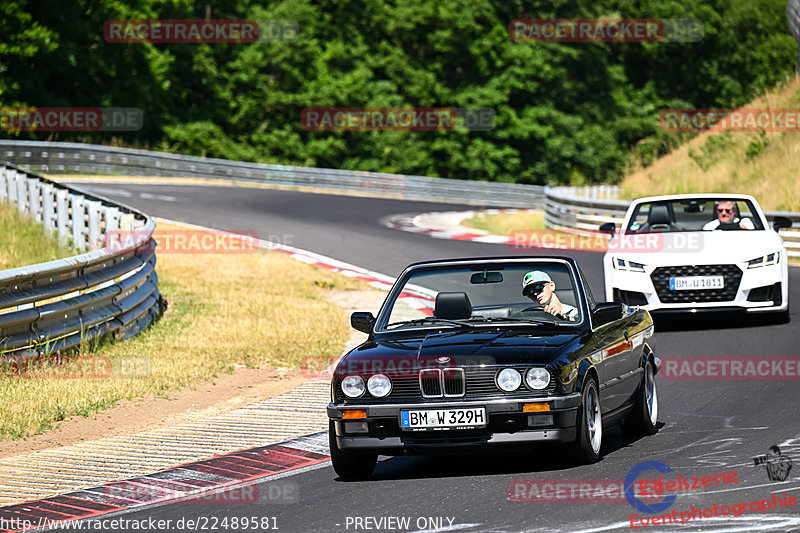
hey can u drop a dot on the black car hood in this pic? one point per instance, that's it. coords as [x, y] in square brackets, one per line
[456, 348]
[503, 348]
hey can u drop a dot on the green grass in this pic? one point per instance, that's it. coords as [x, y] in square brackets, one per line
[23, 241]
[762, 164]
[505, 223]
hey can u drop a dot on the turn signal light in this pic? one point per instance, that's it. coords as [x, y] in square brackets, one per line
[537, 407]
[354, 413]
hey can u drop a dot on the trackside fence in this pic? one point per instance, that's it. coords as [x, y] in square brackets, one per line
[76, 158]
[104, 291]
[569, 208]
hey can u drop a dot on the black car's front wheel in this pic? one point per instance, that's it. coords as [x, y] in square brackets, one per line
[589, 436]
[642, 421]
[348, 464]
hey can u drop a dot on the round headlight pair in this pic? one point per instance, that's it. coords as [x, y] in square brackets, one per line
[378, 385]
[509, 379]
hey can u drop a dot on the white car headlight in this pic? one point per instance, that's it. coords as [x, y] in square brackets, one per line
[765, 260]
[379, 385]
[353, 386]
[537, 378]
[509, 379]
[630, 266]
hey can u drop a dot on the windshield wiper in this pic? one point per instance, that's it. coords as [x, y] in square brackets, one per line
[429, 319]
[507, 319]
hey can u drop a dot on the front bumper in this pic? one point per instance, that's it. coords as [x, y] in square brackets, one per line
[768, 281]
[507, 425]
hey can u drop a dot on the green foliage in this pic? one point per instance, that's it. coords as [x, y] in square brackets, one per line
[565, 112]
[756, 146]
[711, 151]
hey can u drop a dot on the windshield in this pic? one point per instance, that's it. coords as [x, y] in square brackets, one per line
[694, 214]
[530, 292]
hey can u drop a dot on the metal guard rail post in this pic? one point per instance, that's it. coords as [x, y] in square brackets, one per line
[109, 290]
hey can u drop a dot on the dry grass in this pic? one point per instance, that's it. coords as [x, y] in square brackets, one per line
[761, 164]
[505, 223]
[225, 311]
[22, 242]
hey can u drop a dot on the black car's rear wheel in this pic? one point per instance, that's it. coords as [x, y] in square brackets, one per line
[348, 464]
[589, 436]
[643, 419]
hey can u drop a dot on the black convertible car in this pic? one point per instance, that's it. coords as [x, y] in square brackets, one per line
[491, 351]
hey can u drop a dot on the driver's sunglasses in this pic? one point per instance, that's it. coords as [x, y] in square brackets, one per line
[536, 288]
[724, 210]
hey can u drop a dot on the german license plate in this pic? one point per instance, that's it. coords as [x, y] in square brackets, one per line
[696, 282]
[461, 418]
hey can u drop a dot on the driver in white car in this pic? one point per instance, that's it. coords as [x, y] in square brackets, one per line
[726, 212]
[538, 286]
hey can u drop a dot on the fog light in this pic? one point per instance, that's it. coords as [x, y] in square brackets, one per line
[540, 420]
[356, 427]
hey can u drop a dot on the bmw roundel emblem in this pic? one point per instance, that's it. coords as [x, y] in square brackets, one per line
[443, 360]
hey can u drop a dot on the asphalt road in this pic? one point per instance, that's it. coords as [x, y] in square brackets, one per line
[709, 427]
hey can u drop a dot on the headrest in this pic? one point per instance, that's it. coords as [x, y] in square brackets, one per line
[452, 306]
[659, 214]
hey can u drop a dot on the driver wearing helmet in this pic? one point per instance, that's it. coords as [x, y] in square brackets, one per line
[538, 286]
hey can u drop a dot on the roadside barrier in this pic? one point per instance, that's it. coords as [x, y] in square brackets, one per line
[54, 306]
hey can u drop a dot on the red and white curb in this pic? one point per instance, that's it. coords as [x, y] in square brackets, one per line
[412, 223]
[416, 223]
[225, 479]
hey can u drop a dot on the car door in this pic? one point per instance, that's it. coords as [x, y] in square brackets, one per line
[628, 368]
[615, 350]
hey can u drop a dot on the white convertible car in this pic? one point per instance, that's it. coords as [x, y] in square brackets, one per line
[695, 252]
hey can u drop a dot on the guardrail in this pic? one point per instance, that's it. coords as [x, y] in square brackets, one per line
[586, 208]
[107, 291]
[568, 208]
[75, 158]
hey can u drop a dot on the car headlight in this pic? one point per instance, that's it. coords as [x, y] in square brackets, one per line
[622, 264]
[353, 386]
[379, 385]
[765, 260]
[537, 378]
[509, 379]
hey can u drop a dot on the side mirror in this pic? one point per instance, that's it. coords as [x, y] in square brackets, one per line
[363, 322]
[781, 223]
[606, 312]
[608, 227]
